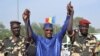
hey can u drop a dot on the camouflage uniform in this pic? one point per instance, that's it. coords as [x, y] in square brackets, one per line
[97, 50]
[31, 50]
[82, 46]
[13, 48]
[1, 53]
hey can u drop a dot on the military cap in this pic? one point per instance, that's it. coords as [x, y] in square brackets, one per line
[84, 21]
[48, 26]
[15, 21]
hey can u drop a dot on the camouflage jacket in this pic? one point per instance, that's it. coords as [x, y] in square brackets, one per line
[83, 46]
[9, 47]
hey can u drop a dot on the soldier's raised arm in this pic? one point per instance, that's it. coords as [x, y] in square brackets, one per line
[26, 19]
[70, 11]
[66, 23]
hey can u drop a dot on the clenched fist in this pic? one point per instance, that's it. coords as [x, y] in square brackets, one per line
[26, 15]
[70, 10]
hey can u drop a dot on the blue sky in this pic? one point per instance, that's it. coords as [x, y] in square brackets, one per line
[40, 9]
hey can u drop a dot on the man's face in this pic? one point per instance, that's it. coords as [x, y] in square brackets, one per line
[48, 32]
[15, 28]
[84, 29]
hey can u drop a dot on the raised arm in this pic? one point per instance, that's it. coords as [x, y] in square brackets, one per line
[67, 22]
[26, 19]
[70, 12]
[70, 24]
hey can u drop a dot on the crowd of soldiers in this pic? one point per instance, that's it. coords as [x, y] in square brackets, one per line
[82, 43]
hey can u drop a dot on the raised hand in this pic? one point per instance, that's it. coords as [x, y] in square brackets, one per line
[70, 10]
[26, 15]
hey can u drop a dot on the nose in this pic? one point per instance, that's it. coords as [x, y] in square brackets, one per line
[16, 29]
[49, 31]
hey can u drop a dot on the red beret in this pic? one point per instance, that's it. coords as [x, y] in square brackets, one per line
[84, 21]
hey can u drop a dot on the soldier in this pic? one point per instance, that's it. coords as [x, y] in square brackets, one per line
[14, 45]
[83, 43]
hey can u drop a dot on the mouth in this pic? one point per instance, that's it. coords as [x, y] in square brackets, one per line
[16, 32]
[48, 35]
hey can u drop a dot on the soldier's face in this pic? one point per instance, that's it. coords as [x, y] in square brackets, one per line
[48, 32]
[84, 29]
[15, 28]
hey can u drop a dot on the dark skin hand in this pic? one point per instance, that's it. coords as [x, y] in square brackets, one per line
[26, 15]
[70, 11]
[26, 19]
